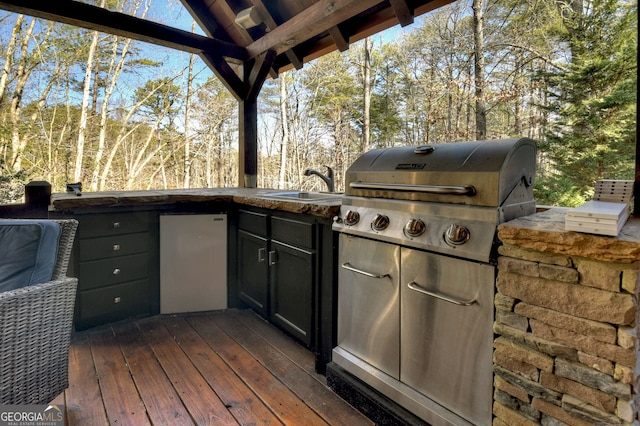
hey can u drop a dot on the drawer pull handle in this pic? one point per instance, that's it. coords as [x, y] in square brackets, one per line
[116, 225]
[415, 287]
[116, 247]
[261, 254]
[116, 271]
[348, 267]
[117, 299]
[273, 257]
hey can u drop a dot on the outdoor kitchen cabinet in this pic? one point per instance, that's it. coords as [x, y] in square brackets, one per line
[116, 263]
[292, 259]
[253, 269]
[278, 269]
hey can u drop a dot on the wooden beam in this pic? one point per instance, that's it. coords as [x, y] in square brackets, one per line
[226, 74]
[404, 14]
[259, 71]
[319, 17]
[96, 18]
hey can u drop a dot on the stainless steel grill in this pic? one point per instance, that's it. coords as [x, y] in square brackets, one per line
[415, 288]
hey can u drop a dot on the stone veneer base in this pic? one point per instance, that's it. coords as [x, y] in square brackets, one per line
[566, 324]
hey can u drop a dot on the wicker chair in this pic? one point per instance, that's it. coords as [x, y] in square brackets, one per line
[35, 332]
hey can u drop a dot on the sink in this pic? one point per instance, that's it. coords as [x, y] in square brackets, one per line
[302, 195]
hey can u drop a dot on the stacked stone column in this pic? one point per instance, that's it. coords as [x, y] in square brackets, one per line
[565, 348]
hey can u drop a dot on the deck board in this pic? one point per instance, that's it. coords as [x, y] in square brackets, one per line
[198, 397]
[235, 394]
[278, 397]
[227, 367]
[328, 405]
[83, 399]
[160, 399]
[119, 393]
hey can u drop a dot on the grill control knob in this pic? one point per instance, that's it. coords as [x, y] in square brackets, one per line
[457, 234]
[351, 218]
[414, 228]
[380, 222]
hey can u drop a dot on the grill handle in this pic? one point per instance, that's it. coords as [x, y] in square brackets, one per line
[348, 267]
[415, 287]
[469, 190]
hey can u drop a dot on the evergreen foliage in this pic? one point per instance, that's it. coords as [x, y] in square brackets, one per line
[593, 102]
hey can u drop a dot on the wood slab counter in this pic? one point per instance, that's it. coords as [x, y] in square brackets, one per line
[257, 197]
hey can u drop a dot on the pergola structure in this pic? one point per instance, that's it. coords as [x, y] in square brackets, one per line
[247, 41]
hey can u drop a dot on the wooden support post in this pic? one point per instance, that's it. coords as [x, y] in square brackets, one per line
[248, 133]
[255, 72]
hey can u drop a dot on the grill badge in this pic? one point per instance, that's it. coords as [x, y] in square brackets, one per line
[411, 166]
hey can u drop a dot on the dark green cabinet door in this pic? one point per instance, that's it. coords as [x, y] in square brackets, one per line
[292, 287]
[253, 270]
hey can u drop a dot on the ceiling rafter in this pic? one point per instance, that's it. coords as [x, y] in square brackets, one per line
[199, 11]
[338, 38]
[271, 25]
[403, 12]
[336, 35]
[317, 18]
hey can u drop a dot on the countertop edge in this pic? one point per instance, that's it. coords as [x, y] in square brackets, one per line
[61, 202]
[545, 232]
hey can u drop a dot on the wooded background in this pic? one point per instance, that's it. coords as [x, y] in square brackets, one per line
[82, 106]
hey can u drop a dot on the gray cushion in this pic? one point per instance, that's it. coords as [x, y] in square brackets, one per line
[28, 250]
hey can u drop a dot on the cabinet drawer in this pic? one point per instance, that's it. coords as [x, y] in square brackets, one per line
[256, 223]
[113, 303]
[114, 246]
[112, 271]
[293, 232]
[112, 224]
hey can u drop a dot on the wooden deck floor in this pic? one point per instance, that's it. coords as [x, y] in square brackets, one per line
[219, 368]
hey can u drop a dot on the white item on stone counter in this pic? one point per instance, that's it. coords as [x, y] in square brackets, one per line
[598, 217]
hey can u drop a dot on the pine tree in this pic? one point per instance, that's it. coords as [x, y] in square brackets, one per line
[593, 101]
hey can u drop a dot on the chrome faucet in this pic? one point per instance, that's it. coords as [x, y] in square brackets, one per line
[328, 178]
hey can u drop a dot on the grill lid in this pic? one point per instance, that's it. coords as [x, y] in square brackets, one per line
[482, 173]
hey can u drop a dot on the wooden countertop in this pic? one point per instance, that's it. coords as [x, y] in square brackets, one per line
[258, 197]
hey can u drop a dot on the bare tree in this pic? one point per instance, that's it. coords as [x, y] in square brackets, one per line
[284, 120]
[187, 119]
[84, 109]
[366, 89]
[26, 65]
[116, 66]
[478, 51]
[8, 57]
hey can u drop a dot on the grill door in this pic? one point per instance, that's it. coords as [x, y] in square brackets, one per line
[446, 332]
[369, 302]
